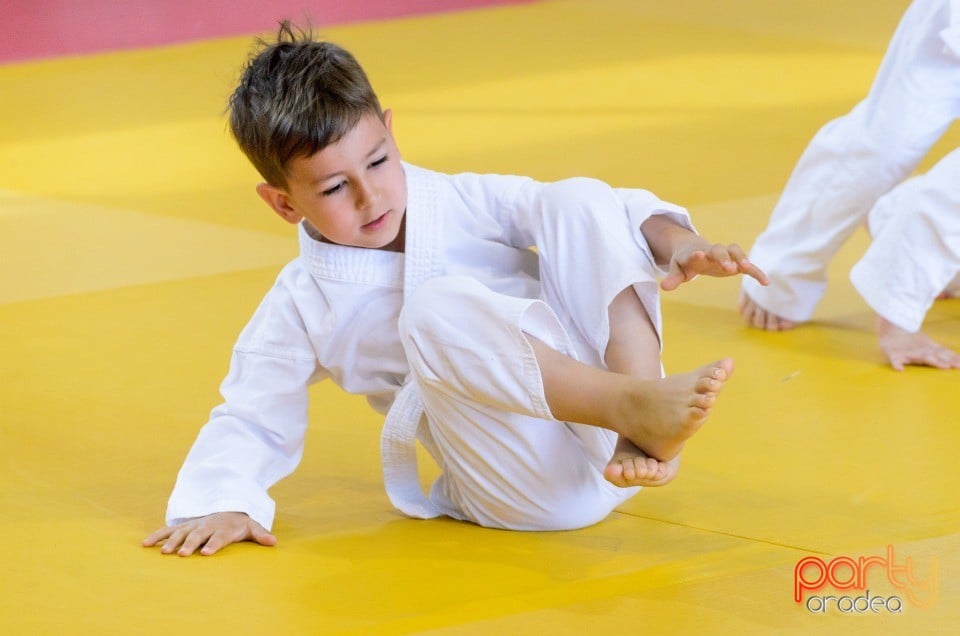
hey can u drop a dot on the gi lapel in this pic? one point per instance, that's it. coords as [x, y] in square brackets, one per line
[398, 452]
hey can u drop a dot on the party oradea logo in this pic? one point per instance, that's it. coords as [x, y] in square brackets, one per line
[865, 584]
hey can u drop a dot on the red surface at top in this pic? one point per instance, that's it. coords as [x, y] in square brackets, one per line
[45, 28]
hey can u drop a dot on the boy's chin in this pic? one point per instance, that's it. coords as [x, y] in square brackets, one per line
[395, 244]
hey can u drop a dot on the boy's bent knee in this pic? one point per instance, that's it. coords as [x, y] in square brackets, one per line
[578, 191]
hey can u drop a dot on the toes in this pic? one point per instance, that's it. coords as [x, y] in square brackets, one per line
[614, 474]
[727, 365]
[773, 322]
[746, 311]
[939, 358]
[639, 471]
[708, 385]
[758, 317]
[897, 363]
[704, 400]
[720, 370]
[628, 473]
[942, 359]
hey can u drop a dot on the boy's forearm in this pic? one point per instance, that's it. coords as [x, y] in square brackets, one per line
[664, 236]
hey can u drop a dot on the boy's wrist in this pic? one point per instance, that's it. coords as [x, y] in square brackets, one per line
[666, 237]
[688, 242]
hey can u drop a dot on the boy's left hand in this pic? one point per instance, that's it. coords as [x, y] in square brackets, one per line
[696, 256]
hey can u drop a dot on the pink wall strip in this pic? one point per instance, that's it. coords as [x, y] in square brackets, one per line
[44, 28]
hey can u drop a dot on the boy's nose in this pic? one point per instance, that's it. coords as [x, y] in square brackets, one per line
[366, 195]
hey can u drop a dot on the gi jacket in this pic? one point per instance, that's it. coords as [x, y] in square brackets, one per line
[333, 313]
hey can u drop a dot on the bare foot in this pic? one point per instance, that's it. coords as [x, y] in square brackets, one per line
[630, 466]
[758, 317]
[658, 416]
[903, 348]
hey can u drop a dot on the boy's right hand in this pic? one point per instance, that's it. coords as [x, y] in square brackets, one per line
[209, 533]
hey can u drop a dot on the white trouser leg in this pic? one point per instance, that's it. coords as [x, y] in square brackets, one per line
[589, 253]
[855, 159]
[915, 253]
[506, 462]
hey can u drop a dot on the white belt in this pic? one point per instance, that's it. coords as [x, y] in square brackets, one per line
[398, 454]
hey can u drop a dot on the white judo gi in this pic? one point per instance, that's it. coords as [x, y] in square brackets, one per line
[849, 172]
[436, 338]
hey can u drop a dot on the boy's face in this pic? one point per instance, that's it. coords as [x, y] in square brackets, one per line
[353, 192]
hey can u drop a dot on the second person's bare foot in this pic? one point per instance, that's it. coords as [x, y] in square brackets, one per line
[756, 316]
[904, 348]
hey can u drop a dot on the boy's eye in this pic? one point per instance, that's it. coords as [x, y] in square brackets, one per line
[379, 161]
[334, 189]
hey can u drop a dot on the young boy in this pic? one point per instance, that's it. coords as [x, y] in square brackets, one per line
[853, 171]
[533, 378]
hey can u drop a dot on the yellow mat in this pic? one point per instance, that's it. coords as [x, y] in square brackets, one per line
[133, 250]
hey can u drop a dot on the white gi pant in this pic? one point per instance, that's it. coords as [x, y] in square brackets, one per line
[506, 462]
[915, 252]
[855, 160]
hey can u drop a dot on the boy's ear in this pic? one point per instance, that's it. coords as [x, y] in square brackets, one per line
[388, 120]
[279, 201]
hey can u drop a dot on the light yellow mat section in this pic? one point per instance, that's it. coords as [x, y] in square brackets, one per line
[134, 249]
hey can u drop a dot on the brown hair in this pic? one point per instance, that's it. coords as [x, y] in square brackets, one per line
[296, 96]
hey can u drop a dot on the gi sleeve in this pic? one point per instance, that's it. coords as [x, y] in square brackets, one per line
[256, 436]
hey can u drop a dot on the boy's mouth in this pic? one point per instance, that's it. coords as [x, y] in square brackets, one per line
[376, 223]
